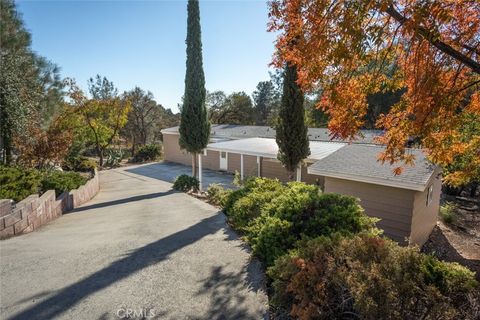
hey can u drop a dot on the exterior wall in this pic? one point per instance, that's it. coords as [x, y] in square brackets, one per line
[272, 168]
[312, 178]
[173, 152]
[211, 160]
[250, 168]
[34, 211]
[394, 206]
[425, 215]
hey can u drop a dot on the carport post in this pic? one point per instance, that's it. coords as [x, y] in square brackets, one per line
[299, 173]
[258, 166]
[241, 166]
[200, 170]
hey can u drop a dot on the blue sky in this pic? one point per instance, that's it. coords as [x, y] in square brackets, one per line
[142, 43]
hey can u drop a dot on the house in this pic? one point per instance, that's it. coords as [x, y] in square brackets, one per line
[407, 204]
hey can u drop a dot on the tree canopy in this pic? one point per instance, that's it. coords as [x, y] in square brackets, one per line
[351, 49]
[99, 120]
[237, 108]
[30, 86]
[266, 100]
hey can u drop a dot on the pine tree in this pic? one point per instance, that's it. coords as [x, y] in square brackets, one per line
[30, 88]
[194, 125]
[292, 133]
[264, 98]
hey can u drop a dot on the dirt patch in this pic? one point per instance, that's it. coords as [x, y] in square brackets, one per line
[458, 241]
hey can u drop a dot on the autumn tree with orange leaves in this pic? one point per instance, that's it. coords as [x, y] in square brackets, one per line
[349, 49]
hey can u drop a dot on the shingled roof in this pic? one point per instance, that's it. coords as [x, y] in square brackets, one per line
[358, 162]
[241, 131]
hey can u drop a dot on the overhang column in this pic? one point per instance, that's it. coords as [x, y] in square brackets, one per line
[241, 166]
[299, 173]
[259, 166]
[200, 170]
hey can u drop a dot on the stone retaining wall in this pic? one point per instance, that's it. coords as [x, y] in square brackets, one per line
[34, 211]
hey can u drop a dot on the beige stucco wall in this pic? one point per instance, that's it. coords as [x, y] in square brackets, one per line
[393, 206]
[425, 215]
[172, 150]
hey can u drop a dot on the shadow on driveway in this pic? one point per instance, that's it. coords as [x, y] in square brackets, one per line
[138, 259]
[123, 201]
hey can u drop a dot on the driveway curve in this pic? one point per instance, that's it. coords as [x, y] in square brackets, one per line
[137, 250]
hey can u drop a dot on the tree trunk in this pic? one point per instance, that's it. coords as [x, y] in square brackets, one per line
[8, 150]
[194, 165]
[133, 145]
[473, 189]
[100, 156]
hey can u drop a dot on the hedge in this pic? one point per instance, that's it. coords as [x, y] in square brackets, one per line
[18, 183]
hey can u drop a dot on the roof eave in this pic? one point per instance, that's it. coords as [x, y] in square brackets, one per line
[383, 182]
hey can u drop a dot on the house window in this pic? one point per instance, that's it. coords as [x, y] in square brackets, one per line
[430, 195]
[224, 155]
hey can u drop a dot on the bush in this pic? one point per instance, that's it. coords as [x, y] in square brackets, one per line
[251, 185]
[17, 183]
[309, 214]
[270, 238]
[114, 157]
[216, 194]
[448, 212]
[61, 181]
[370, 278]
[260, 192]
[148, 152]
[80, 164]
[186, 183]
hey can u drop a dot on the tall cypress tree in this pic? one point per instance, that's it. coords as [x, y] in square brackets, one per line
[194, 125]
[292, 133]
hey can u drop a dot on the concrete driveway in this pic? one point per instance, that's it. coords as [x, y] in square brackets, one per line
[138, 249]
[169, 171]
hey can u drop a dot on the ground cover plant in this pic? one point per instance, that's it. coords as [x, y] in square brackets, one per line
[18, 183]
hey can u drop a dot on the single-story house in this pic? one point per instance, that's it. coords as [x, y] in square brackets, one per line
[407, 204]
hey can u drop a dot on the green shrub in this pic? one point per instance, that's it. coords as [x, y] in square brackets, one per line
[17, 183]
[247, 208]
[309, 214]
[270, 238]
[251, 185]
[369, 277]
[148, 152]
[80, 164]
[61, 181]
[448, 212]
[216, 194]
[186, 183]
